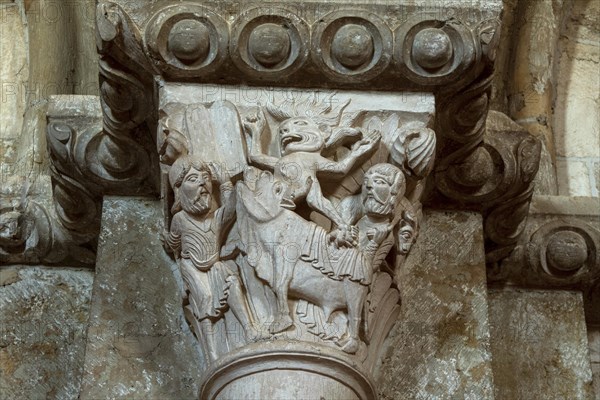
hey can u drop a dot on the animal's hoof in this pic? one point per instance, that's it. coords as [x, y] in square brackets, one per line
[350, 346]
[281, 324]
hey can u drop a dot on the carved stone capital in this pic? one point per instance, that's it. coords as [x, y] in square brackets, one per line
[448, 50]
[288, 209]
[294, 208]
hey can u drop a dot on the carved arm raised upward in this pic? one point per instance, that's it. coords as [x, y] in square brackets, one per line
[254, 127]
[339, 169]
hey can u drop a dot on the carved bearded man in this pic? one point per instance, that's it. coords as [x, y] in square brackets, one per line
[196, 235]
[383, 186]
[373, 210]
[371, 213]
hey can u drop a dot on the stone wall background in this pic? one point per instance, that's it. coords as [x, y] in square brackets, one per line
[547, 80]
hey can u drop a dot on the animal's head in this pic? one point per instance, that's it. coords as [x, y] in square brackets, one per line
[263, 197]
[300, 134]
[272, 193]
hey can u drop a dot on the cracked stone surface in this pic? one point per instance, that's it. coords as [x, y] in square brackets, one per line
[439, 348]
[138, 343]
[539, 344]
[43, 319]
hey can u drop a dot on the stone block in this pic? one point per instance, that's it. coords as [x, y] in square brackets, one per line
[138, 344]
[539, 345]
[596, 171]
[594, 346]
[577, 116]
[573, 177]
[439, 347]
[14, 72]
[43, 321]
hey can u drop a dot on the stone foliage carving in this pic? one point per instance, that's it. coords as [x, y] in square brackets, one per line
[58, 220]
[25, 227]
[340, 45]
[301, 235]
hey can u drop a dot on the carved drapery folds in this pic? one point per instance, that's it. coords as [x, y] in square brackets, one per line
[444, 51]
[287, 210]
[287, 221]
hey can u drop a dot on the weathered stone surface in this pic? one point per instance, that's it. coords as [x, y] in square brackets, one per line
[545, 256]
[576, 117]
[43, 323]
[66, 63]
[539, 345]
[594, 346]
[138, 343]
[439, 347]
[573, 177]
[13, 75]
[525, 81]
[596, 187]
[504, 66]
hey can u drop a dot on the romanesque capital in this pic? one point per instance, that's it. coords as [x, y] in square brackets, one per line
[294, 145]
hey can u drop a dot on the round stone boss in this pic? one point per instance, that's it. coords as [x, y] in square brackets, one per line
[433, 52]
[432, 48]
[269, 45]
[566, 250]
[351, 45]
[187, 40]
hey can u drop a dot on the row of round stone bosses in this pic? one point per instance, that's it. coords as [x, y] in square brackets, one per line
[270, 44]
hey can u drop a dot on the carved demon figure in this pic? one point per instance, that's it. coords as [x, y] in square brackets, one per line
[301, 164]
[278, 250]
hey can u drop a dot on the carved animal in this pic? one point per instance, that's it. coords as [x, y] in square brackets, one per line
[287, 252]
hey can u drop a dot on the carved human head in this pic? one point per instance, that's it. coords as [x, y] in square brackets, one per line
[407, 233]
[383, 186]
[192, 182]
[300, 134]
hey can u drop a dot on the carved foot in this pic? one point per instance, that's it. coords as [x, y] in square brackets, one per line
[256, 333]
[281, 324]
[349, 345]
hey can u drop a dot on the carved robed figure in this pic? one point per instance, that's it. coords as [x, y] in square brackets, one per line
[297, 247]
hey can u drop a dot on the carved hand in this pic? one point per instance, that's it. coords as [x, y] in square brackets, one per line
[365, 145]
[254, 125]
[218, 173]
[378, 235]
[345, 236]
